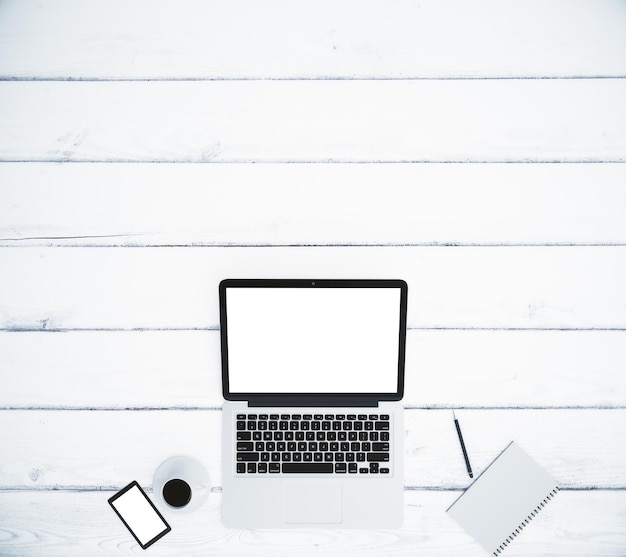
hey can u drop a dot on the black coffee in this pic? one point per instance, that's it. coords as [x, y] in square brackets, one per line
[177, 493]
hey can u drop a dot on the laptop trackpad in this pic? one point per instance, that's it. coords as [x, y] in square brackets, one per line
[313, 502]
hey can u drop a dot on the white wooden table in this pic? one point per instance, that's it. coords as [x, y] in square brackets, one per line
[475, 150]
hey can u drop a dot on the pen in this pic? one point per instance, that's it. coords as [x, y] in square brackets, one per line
[458, 430]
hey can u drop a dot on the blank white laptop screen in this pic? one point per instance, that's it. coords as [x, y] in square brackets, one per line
[313, 340]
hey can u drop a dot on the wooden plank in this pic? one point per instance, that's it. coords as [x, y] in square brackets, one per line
[445, 368]
[581, 449]
[315, 121]
[373, 39]
[66, 524]
[449, 287]
[175, 204]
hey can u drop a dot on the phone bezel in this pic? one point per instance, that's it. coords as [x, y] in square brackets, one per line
[122, 492]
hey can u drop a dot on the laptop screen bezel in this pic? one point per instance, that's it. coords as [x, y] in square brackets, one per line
[313, 399]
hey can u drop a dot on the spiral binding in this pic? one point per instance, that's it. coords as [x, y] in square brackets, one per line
[525, 522]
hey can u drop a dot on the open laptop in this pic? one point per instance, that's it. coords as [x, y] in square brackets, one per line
[312, 373]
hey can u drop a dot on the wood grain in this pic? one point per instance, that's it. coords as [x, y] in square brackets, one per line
[444, 368]
[359, 39]
[449, 287]
[582, 120]
[311, 204]
[54, 449]
[66, 524]
[109, 356]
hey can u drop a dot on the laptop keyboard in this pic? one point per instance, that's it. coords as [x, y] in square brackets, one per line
[313, 444]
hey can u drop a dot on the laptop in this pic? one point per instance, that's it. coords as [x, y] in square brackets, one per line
[312, 426]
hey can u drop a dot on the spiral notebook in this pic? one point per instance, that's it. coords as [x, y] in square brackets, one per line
[504, 499]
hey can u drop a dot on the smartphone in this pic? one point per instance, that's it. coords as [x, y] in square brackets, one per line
[140, 516]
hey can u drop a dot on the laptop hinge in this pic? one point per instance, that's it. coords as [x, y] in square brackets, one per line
[313, 401]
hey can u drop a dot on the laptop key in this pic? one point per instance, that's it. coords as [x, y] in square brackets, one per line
[247, 457]
[244, 436]
[244, 446]
[274, 467]
[340, 468]
[251, 467]
[241, 468]
[381, 426]
[377, 457]
[307, 468]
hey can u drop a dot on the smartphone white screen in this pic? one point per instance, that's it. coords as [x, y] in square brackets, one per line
[139, 515]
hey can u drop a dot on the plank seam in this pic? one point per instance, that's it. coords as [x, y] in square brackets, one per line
[296, 162]
[410, 407]
[156, 79]
[216, 328]
[164, 160]
[298, 245]
[218, 489]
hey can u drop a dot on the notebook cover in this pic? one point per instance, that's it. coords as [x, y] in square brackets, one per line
[504, 499]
